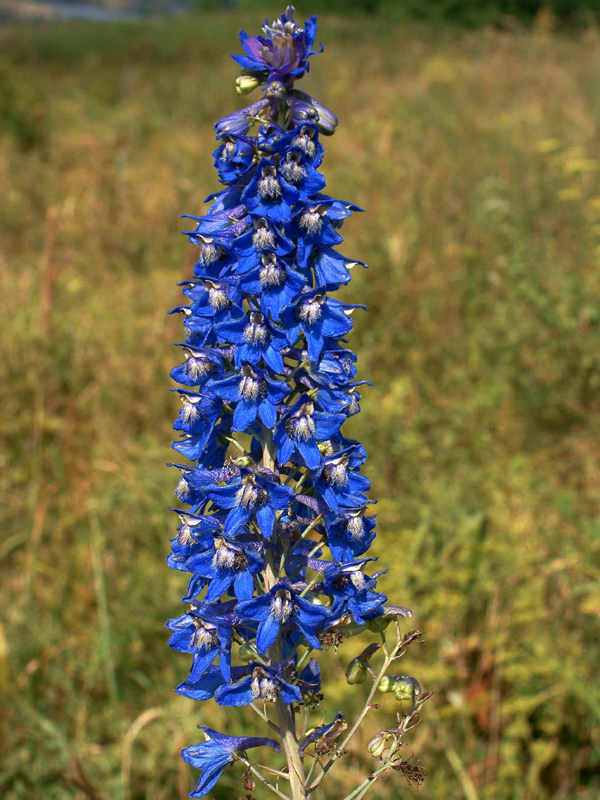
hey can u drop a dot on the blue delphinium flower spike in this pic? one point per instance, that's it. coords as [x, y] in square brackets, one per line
[277, 525]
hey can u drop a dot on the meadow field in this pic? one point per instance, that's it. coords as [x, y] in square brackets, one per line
[476, 157]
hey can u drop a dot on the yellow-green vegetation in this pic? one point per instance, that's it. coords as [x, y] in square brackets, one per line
[476, 157]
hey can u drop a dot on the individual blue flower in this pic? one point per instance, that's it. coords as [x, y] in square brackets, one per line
[301, 428]
[342, 399]
[340, 486]
[254, 393]
[207, 684]
[248, 495]
[200, 366]
[228, 564]
[350, 534]
[268, 194]
[260, 238]
[319, 317]
[275, 281]
[213, 755]
[305, 108]
[205, 632]
[282, 606]
[206, 411]
[283, 51]
[263, 683]
[240, 122]
[332, 268]
[256, 340]
[199, 412]
[299, 173]
[233, 157]
[306, 139]
[352, 591]
[312, 229]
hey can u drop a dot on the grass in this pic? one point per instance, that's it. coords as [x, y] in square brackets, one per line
[476, 157]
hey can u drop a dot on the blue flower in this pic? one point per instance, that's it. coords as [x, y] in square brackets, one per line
[248, 495]
[338, 484]
[201, 365]
[256, 340]
[301, 428]
[241, 121]
[205, 632]
[350, 534]
[305, 108]
[198, 416]
[213, 755]
[259, 239]
[233, 157]
[283, 606]
[269, 194]
[263, 683]
[319, 317]
[255, 394]
[228, 564]
[275, 281]
[353, 591]
[283, 51]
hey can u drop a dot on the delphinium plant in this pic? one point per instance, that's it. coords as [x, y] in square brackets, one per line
[278, 525]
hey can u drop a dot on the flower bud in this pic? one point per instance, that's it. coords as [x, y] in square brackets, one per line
[246, 84]
[356, 671]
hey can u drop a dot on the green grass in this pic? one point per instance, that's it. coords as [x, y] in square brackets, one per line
[476, 158]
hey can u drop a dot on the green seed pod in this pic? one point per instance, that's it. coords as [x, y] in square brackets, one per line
[403, 686]
[246, 84]
[406, 688]
[356, 671]
[245, 653]
[378, 624]
[377, 744]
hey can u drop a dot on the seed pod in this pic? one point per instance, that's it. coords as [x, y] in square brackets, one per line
[245, 653]
[356, 672]
[377, 744]
[406, 688]
[403, 686]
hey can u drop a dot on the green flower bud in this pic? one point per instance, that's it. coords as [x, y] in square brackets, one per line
[356, 671]
[246, 84]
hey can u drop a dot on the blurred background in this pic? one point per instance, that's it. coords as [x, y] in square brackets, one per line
[469, 131]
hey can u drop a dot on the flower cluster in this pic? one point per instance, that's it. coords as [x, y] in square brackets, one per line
[277, 522]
